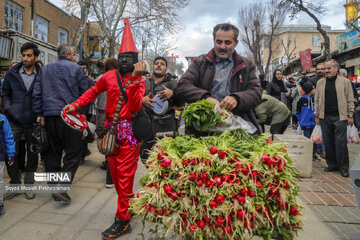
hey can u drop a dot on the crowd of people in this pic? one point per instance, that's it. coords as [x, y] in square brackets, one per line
[34, 94]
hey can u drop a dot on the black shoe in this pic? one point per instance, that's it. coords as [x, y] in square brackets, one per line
[119, 227]
[331, 169]
[64, 197]
[316, 158]
[344, 173]
[29, 195]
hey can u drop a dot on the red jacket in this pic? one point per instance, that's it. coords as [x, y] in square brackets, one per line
[108, 82]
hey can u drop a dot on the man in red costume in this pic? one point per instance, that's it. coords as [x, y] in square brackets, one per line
[123, 162]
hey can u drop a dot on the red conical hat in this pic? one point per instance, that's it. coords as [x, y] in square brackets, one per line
[127, 42]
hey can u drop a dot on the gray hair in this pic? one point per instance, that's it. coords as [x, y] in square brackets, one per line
[343, 72]
[226, 27]
[64, 49]
[333, 61]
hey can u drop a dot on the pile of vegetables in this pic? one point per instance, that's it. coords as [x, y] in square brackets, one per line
[203, 115]
[230, 186]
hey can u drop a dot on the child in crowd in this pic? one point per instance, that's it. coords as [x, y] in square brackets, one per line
[7, 153]
[305, 113]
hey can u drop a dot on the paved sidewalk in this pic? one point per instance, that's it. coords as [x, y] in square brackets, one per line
[93, 208]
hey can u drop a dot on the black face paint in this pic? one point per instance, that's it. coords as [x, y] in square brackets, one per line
[127, 61]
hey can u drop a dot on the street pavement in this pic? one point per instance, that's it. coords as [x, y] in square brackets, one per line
[329, 201]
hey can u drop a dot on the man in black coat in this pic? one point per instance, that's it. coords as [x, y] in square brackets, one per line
[17, 101]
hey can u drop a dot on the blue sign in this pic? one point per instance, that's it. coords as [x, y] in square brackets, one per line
[348, 41]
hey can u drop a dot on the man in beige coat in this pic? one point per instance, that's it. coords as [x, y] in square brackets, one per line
[334, 108]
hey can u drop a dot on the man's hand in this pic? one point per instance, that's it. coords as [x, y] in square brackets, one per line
[165, 94]
[287, 93]
[69, 108]
[229, 103]
[317, 121]
[40, 120]
[147, 101]
[211, 99]
[350, 120]
[10, 161]
[139, 69]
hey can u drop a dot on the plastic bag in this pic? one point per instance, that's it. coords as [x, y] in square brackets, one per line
[298, 130]
[38, 140]
[352, 134]
[316, 135]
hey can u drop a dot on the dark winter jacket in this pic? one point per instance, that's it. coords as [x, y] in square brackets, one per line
[275, 88]
[305, 111]
[17, 101]
[196, 83]
[7, 144]
[58, 84]
[158, 87]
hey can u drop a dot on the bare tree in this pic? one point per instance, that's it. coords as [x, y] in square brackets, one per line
[258, 22]
[80, 8]
[289, 47]
[311, 9]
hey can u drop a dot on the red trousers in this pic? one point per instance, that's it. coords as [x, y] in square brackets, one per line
[123, 166]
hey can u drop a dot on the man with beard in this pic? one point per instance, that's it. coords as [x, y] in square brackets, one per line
[162, 85]
[222, 76]
[320, 73]
[60, 83]
[334, 109]
[17, 101]
[123, 161]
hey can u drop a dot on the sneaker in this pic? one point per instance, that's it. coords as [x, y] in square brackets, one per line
[316, 158]
[323, 155]
[64, 197]
[108, 185]
[2, 210]
[119, 227]
[29, 195]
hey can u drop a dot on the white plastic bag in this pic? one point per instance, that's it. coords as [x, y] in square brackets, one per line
[298, 130]
[352, 134]
[316, 135]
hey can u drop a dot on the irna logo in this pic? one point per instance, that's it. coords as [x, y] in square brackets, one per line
[53, 177]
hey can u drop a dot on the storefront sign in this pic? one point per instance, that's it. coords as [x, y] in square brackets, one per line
[305, 59]
[347, 41]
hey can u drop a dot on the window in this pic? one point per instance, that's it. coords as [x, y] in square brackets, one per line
[13, 16]
[316, 40]
[62, 36]
[41, 28]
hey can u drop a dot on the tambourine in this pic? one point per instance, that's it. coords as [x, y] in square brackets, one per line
[160, 107]
[74, 120]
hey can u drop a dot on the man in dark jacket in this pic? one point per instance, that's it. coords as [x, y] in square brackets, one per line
[17, 101]
[58, 84]
[162, 85]
[320, 73]
[222, 76]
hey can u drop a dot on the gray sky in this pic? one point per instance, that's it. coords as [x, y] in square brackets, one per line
[200, 16]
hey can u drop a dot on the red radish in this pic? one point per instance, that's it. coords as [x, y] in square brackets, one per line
[265, 158]
[213, 204]
[238, 181]
[286, 184]
[200, 183]
[196, 202]
[241, 199]
[153, 209]
[225, 178]
[185, 223]
[193, 176]
[249, 166]
[254, 174]
[220, 199]
[164, 174]
[150, 185]
[200, 224]
[249, 224]
[294, 210]
[220, 221]
[185, 162]
[259, 184]
[240, 214]
[209, 184]
[238, 166]
[228, 230]
[272, 162]
[229, 218]
[159, 212]
[252, 194]
[222, 154]
[178, 175]
[213, 150]
[168, 188]
[284, 150]
[287, 226]
[192, 227]
[207, 162]
[174, 196]
[161, 156]
[167, 162]
[244, 192]
[193, 161]
[207, 219]
[217, 181]
[234, 195]
[268, 141]
[245, 171]
[183, 215]
[203, 176]
[233, 175]
[148, 207]
[157, 185]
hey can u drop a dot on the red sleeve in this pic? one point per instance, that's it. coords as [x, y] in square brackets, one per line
[135, 93]
[91, 94]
